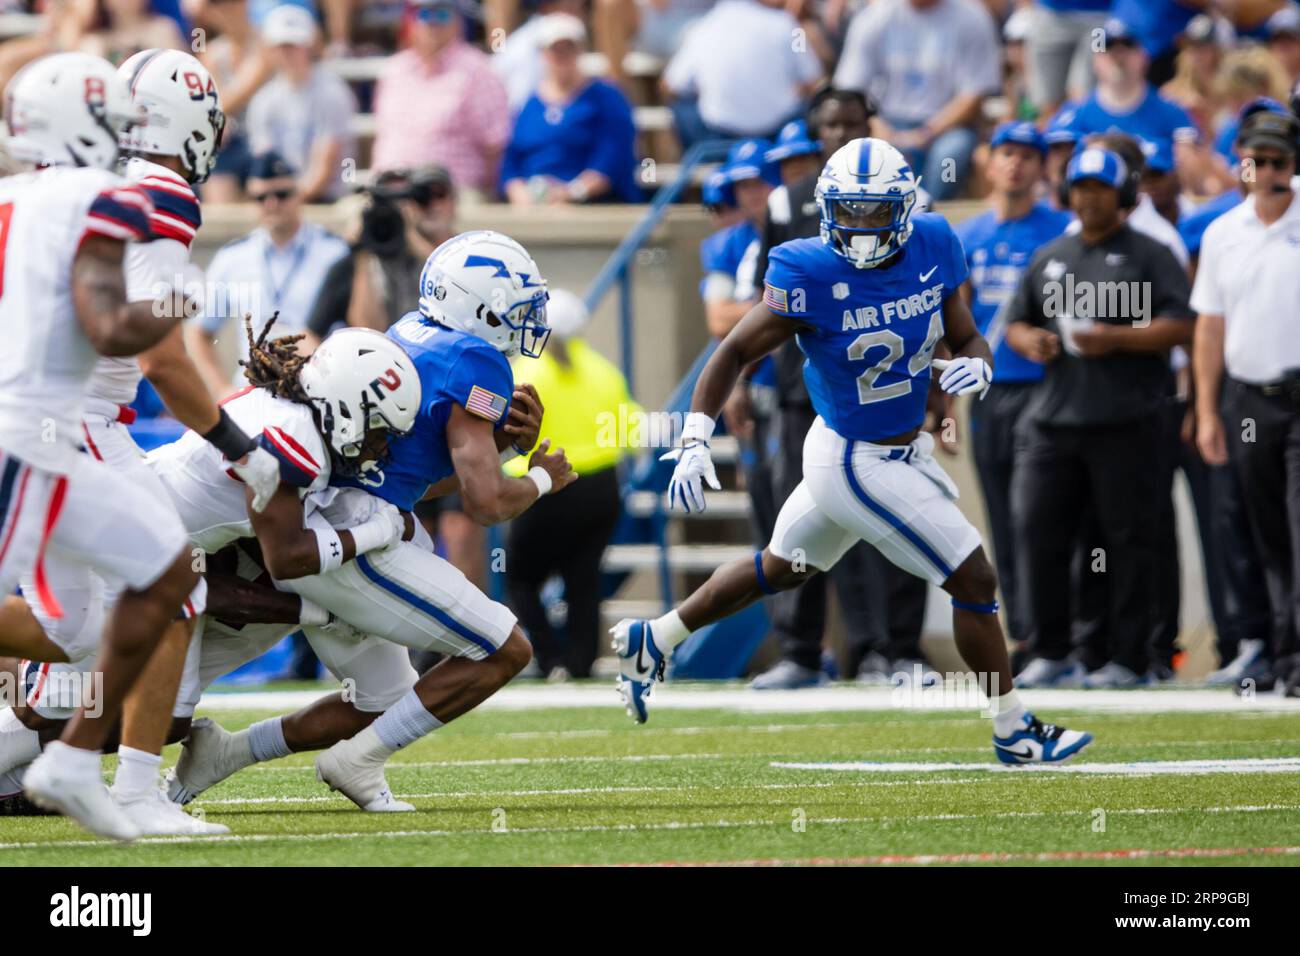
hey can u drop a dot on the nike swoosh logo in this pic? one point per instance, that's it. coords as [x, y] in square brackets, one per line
[1025, 754]
[926, 275]
[640, 650]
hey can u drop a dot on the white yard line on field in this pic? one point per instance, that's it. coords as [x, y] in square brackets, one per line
[811, 700]
[1128, 768]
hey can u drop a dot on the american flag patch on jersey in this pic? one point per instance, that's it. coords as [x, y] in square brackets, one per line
[776, 299]
[485, 404]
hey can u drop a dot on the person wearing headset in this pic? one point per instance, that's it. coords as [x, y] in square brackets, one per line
[1101, 309]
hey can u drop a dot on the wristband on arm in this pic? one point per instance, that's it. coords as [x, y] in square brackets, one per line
[228, 438]
[698, 428]
[540, 477]
[312, 614]
[330, 547]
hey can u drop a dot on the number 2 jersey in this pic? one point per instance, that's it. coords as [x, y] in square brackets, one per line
[455, 368]
[870, 333]
[46, 359]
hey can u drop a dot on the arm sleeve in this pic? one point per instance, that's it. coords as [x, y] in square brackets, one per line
[481, 382]
[176, 212]
[613, 152]
[153, 268]
[120, 212]
[785, 286]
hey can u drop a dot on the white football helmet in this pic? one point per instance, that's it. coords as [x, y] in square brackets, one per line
[866, 194]
[358, 380]
[68, 109]
[180, 99]
[487, 284]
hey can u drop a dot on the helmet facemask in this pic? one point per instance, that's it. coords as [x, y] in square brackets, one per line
[527, 323]
[867, 229]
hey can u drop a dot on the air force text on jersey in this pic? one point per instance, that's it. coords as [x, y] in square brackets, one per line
[920, 304]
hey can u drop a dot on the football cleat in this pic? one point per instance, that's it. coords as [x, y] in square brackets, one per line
[359, 777]
[1036, 742]
[154, 815]
[640, 664]
[77, 790]
[209, 755]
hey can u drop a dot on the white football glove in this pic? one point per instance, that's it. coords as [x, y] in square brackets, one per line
[261, 472]
[964, 376]
[396, 523]
[693, 464]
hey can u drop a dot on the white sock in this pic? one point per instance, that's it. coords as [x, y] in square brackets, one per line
[266, 739]
[369, 744]
[137, 773]
[668, 631]
[405, 722]
[1008, 712]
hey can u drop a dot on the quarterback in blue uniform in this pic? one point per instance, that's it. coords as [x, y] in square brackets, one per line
[868, 302]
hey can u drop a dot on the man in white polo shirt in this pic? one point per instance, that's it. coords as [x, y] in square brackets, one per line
[1247, 349]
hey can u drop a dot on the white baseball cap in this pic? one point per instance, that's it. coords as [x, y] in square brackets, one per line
[289, 24]
[555, 27]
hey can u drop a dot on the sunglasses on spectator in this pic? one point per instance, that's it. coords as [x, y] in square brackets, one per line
[1280, 163]
[280, 194]
[440, 15]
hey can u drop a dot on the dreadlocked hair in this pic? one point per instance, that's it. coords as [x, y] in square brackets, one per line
[275, 364]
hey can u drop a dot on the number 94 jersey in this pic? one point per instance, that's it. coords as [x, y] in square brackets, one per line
[870, 333]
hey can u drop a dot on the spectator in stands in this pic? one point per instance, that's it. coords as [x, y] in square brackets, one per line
[796, 155]
[1015, 67]
[305, 111]
[574, 140]
[122, 28]
[1090, 424]
[655, 27]
[1156, 25]
[1284, 41]
[1059, 47]
[1193, 85]
[1123, 99]
[440, 102]
[1161, 185]
[1000, 243]
[239, 65]
[519, 60]
[930, 63]
[1246, 75]
[277, 269]
[1246, 348]
[739, 73]
[1061, 142]
[583, 392]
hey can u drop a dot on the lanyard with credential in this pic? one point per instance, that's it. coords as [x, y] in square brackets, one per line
[279, 288]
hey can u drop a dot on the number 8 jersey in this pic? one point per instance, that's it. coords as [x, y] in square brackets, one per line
[869, 334]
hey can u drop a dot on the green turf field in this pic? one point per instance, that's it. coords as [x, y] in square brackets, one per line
[583, 785]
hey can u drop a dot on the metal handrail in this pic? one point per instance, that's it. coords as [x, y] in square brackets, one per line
[618, 267]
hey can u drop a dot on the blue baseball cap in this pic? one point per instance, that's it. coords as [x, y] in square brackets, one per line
[1022, 133]
[1116, 30]
[716, 190]
[746, 160]
[1260, 104]
[1060, 132]
[1159, 154]
[1099, 164]
[792, 141]
[270, 165]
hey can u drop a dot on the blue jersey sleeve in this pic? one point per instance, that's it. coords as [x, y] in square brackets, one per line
[481, 382]
[785, 286]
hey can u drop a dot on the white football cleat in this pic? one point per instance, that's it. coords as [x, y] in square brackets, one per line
[76, 789]
[359, 776]
[154, 815]
[641, 662]
[209, 755]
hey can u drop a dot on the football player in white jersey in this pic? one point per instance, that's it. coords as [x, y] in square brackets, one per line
[171, 151]
[63, 302]
[331, 414]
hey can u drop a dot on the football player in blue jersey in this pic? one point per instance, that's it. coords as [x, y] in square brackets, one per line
[868, 302]
[482, 299]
